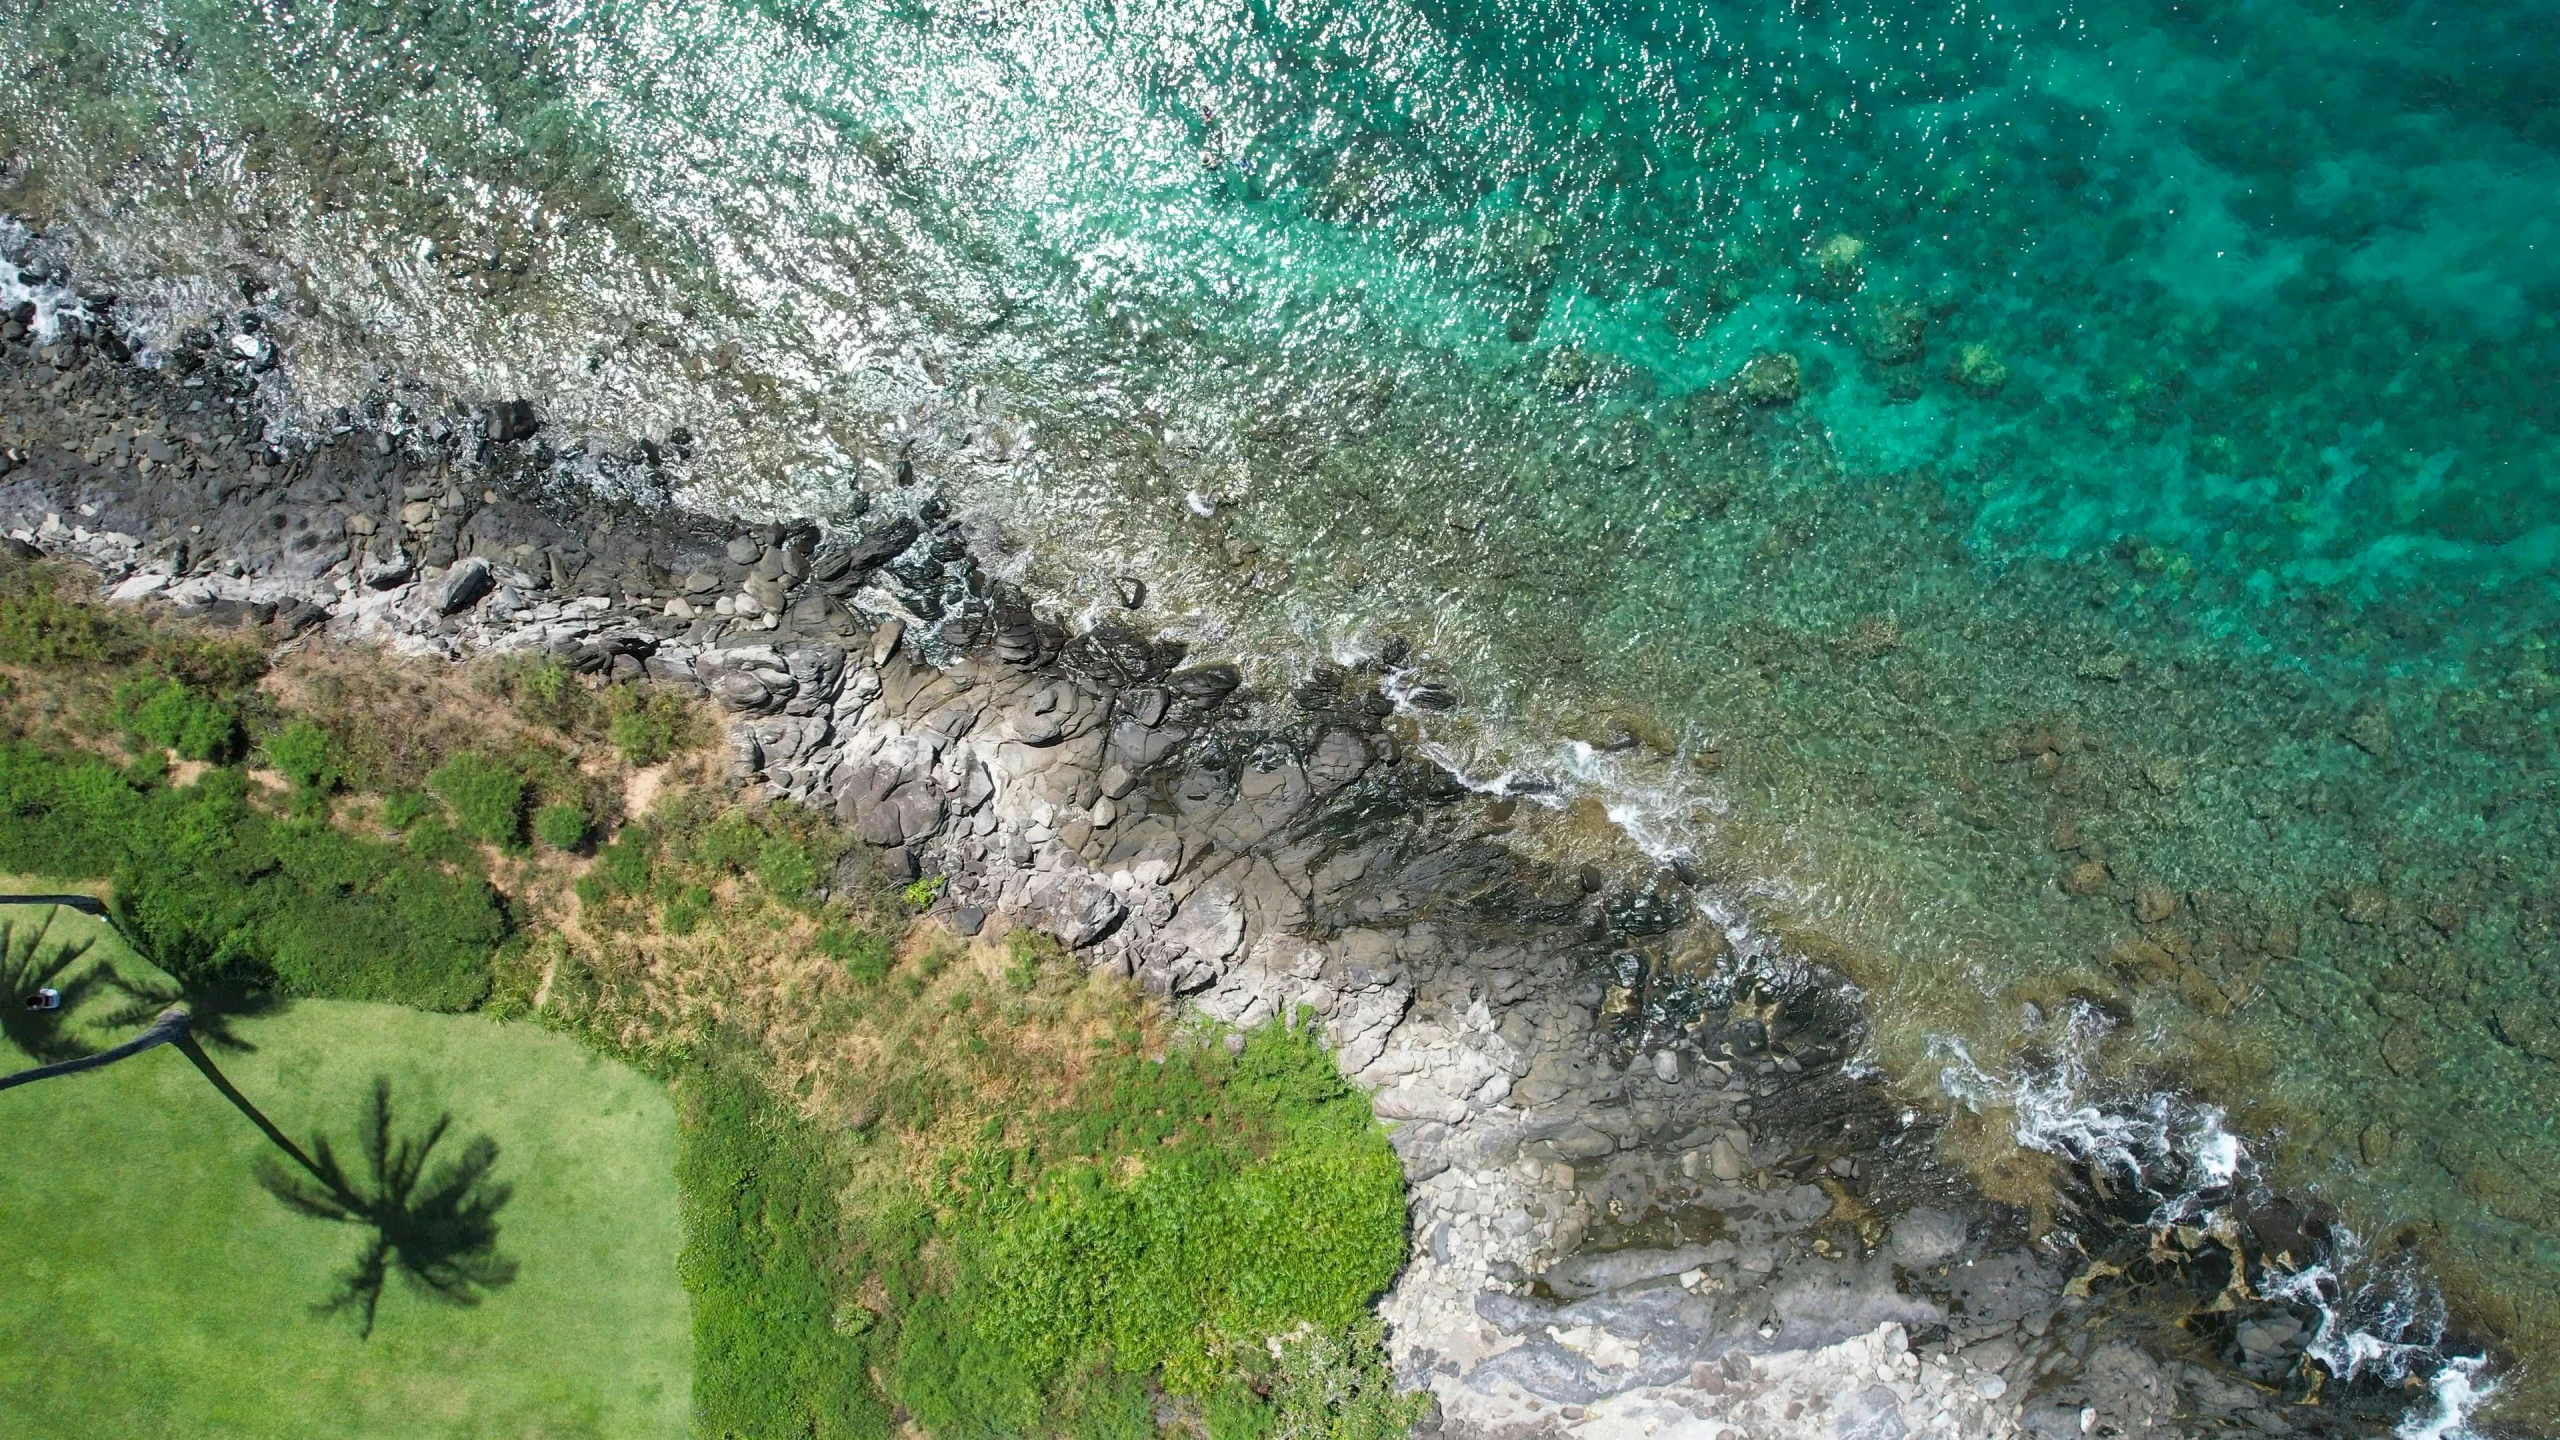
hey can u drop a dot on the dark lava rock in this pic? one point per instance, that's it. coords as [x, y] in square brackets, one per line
[1206, 684]
[881, 546]
[512, 420]
[1145, 706]
[1643, 913]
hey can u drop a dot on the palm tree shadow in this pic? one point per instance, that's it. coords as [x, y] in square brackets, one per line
[214, 1003]
[26, 966]
[436, 1228]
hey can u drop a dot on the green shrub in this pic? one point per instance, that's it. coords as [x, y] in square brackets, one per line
[866, 955]
[648, 723]
[684, 912]
[626, 864]
[301, 752]
[787, 868]
[562, 827]
[959, 1383]
[921, 892]
[485, 796]
[731, 842]
[432, 839]
[1264, 1197]
[404, 808]
[1033, 1272]
[1236, 1413]
[40, 627]
[1335, 1385]
[773, 1354]
[216, 665]
[1104, 1403]
[544, 690]
[1026, 954]
[163, 714]
[211, 888]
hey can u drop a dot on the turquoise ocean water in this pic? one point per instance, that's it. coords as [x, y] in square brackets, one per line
[2055, 502]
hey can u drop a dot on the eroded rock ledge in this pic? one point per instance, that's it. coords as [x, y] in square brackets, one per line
[1648, 1197]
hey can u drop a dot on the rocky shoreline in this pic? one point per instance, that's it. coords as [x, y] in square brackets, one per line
[1652, 1193]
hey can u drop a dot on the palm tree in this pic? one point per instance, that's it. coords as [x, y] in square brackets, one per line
[214, 1003]
[438, 1228]
[27, 967]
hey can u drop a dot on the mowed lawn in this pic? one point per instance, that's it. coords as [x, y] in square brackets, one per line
[149, 1287]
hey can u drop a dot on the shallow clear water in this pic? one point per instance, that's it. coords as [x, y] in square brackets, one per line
[2169, 510]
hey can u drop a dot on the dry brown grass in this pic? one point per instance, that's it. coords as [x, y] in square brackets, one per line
[396, 718]
[958, 1033]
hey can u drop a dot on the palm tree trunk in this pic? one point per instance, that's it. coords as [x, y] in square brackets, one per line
[171, 1029]
[187, 1046]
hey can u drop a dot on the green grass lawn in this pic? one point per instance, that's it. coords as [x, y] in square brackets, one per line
[149, 1287]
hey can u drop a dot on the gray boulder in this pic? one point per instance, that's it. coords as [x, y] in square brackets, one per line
[462, 586]
[1079, 909]
[1926, 1237]
[818, 672]
[1577, 1276]
[746, 679]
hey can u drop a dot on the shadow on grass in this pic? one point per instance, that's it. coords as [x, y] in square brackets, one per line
[27, 966]
[437, 1228]
[214, 1004]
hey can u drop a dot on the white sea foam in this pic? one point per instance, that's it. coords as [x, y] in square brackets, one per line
[2457, 1392]
[53, 300]
[2379, 1319]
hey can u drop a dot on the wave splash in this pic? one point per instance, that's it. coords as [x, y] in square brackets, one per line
[2379, 1322]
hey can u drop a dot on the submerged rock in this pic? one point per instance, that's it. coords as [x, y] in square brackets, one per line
[1980, 371]
[1770, 380]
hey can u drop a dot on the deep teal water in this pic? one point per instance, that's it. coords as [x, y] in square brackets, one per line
[2171, 485]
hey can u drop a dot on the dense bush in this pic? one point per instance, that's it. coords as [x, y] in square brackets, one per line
[546, 691]
[211, 887]
[1162, 1227]
[788, 850]
[41, 626]
[301, 753]
[865, 953]
[404, 808]
[1047, 1275]
[1024, 1214]
[486, 797]
[562, 827]
[775, 1353]
[788, 867]
[648, 724]
[645, 723]
[162, 714]
[1149, 1237]
[626, 864]
[1328, 1385]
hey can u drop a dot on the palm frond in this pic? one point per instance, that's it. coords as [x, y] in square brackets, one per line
[360, 1288]
[28, 966]
[437, 1227]
[213, 1004]
[298, 1192]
